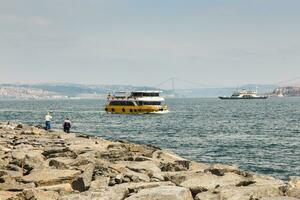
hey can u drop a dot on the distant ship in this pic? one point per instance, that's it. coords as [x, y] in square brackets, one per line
[244, 94]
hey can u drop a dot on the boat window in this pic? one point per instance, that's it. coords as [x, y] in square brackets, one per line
[140, 103]
[145, 94]
[150, 94]
[137, 94]
[121, 103]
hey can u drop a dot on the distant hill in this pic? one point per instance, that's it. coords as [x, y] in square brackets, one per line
[70, 90]
[49, 91]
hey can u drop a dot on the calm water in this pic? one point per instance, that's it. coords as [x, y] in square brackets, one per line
[258, 135]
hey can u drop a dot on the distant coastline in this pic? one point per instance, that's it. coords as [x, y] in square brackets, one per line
[78, 91]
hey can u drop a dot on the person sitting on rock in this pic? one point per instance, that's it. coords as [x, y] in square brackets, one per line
[48, 118]
[67, 125]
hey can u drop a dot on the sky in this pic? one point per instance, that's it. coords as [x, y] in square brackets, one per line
[140, 42]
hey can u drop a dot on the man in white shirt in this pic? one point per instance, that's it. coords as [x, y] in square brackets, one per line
[48, 118]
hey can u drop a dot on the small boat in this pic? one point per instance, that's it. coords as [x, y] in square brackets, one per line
[138, 102]
[244, 94]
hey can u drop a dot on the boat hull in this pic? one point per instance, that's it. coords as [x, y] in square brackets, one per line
[239, 98]
[136, 109]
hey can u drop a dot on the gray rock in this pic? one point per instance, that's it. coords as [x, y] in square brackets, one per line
[83, 182]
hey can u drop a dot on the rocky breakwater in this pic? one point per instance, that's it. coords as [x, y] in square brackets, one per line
[46, 166]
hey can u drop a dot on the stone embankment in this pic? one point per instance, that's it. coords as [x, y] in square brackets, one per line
[55, 165]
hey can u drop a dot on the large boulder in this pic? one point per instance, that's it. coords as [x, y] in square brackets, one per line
[293, 188]
[178, 177]
[54, 150]
[10, 184]
[293, 192]
[147, 167]
[266, 180]
[248, 192]
[50, 176]
[221, 169]
[279, 198]
[162, 192]
[109, 193]
[294, 181]
[29, 160]
[203, 181]
[12, 173]
[99, 182]
[83, 145]
[38, 195]
[8, 195]
[207, 196]
[60, 188]
[83, 182]
[84, 159]
[166, 156]
[60, 162]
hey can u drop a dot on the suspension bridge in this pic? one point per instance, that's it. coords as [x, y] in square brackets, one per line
[175, 83]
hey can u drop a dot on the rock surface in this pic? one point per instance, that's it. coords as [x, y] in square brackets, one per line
[163, 192]
[35, 164]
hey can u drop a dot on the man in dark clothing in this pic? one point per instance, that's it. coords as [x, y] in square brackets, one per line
[67, 125]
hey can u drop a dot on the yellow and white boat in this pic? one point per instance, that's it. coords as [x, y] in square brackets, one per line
[139, 102]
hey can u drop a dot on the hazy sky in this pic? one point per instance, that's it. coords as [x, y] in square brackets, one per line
[141, 42]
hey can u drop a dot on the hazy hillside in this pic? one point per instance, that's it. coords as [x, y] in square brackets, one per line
[46, 91]
[50, 91]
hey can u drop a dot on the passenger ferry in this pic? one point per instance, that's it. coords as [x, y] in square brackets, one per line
[139, 102]
[244, 94]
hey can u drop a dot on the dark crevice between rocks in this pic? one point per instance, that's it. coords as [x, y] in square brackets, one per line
[198, 190]
[217, 172]
[2, 180]
[175, 167]
[245, 183]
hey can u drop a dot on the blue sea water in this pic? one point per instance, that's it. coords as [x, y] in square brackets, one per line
[262, 136]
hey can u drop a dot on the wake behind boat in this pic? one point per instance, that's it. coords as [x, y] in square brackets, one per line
[244, 94]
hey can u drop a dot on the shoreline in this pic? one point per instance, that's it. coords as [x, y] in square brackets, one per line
[56, 165]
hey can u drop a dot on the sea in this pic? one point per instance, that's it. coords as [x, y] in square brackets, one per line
[262, 136]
